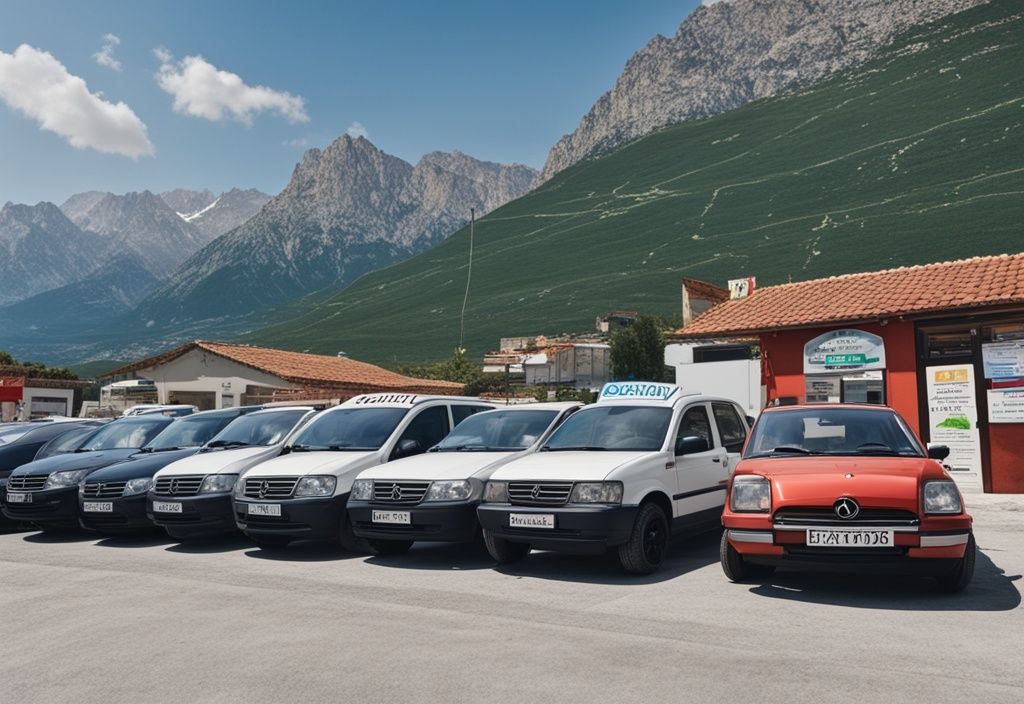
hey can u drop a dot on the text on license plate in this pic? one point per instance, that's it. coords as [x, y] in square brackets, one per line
[850, 538]
[98, 506]
[264, 509]
[531, 520]
[14, 498]
[402, 518]
[167, 506]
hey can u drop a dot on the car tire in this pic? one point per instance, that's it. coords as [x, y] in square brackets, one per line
[648, 542]
[349, 540]
[505, 551]
[384, 548]
[957, 579]
[735, 567]
[271, 542]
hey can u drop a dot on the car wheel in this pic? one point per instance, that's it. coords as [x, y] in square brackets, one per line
[389, 547]
[645, 550]
[271, 542]
[349, 540]
[735, 567]
[957, 579]
[505, 551]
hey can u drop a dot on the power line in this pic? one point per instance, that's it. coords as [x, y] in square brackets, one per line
[469, 276]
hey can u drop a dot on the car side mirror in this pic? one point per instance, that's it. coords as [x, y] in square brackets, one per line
[691, 444]
[407, 448]
[938, 452]
[286, 449]
[750, 421]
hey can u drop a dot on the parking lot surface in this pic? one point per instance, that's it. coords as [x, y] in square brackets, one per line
[149, 620]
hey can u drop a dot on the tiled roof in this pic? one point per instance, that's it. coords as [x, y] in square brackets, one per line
[303, 369]
[912, 290]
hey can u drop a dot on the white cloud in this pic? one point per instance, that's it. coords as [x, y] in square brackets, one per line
[298, 143]
[105, 56]
[707, 3]
[38, 86]
[202, 90]
[356, 130]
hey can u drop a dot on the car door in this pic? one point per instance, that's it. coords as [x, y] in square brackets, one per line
[732, 431]
[427, 428]
[700, 470]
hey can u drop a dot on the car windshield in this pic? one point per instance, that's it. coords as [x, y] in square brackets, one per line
[831, 431]
[12, 433]
[622, 428]
[350, 429]
[68, 442]
[125, 434]
[258, 429]
[497, 430]
[190, 431]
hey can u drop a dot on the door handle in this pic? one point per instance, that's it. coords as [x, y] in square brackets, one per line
[716, 459]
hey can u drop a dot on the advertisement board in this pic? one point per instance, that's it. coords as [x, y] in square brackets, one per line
[1006, 405]
[844, 350]
[953, 421]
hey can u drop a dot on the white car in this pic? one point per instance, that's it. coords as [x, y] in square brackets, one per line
[303, 493]
[434, 496]
[645, 462]
[192, 497]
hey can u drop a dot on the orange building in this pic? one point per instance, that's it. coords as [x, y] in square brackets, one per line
[942, 343]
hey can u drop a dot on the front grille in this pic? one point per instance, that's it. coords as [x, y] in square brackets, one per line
[270, 487]
[26, 483]
[539, 493]
[399, 492]
[178, 486]
[822, 516]
[103, 490]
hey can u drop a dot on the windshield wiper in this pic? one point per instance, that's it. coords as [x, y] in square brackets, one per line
[463, 448]
[228, 443]
[575, 448]
[344, 447]
[785, 450]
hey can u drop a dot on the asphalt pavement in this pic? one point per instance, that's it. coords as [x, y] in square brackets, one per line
[149, 620]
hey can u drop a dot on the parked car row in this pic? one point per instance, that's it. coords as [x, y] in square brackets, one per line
[808, 486]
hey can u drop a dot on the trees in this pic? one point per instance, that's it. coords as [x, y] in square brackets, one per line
[36, 370]
[638, 351]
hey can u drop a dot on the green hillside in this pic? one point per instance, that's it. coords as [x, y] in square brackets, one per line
[917, 157]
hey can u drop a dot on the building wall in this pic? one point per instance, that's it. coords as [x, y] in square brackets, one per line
[782, 364]
[38, 405]
[198, 371]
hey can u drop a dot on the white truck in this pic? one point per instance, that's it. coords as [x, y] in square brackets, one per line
[646, 462]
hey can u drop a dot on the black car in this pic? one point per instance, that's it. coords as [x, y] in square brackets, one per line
[113, 499]
[25, 448]
[45, 491]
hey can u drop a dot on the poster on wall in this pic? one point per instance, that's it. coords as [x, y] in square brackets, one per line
[953, 421]
[1006, 405]
[1003, 360]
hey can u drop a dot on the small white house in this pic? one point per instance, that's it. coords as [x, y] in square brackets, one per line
[725, 370]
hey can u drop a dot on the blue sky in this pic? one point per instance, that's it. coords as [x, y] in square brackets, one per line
[497, 80]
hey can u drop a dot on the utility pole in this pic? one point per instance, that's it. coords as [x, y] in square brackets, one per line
[469, 276]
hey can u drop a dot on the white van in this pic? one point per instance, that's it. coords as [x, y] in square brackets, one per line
[303, 493]
[645, 462]
[434, 496]
[192, 497]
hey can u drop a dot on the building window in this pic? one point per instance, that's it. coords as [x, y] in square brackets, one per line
[946, 345]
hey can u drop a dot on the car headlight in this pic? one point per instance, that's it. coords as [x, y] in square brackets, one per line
[596, 493]
[137, 486]
[362, 490]
[942, 497]
[214, 483]
[58, 480]
[315, 486]
[496, 492]
[751, 494]
[449, 491]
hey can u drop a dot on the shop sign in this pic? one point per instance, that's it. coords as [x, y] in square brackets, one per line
[953, 421]
[1006, 405]
[1003, 360]
[844, 350]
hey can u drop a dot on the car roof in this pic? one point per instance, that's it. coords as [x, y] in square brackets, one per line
[399, 400]
[544, 406]
[280, 409]
[833, 406]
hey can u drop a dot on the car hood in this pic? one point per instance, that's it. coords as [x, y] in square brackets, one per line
[442, 465]
[141, 465]
[233, 461]
[298, 464]
[73, 461]
[819, 481]
[569, 466]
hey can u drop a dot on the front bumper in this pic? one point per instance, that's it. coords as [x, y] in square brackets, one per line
[578, 529]
[438, 522]
[56, 508]
[306, 519]
[128, 515]
[204, 514]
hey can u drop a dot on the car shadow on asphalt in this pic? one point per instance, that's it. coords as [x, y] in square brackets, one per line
[303, 551]
[990, 590]
[135, 540]
[686, 554]
[68, 536]
[210, 544]
[458, 557]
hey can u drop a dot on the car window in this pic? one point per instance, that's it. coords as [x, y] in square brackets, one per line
[126, 434]
[258, 429]
[68, 442]
[730, 426]
[624, 428]
[428, 428]
[189, 431]
[461, 412]
[498, 430]
[831, 431]
[695, 423]
[350, 429]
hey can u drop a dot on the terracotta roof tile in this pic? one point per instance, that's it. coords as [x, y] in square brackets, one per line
[928, 288]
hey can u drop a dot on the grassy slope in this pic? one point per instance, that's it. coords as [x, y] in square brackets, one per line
[916, 158]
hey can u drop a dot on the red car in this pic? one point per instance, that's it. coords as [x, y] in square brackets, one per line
[844, 486]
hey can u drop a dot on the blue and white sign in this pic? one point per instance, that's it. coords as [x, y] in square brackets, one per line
[844, 350]
[637, 391]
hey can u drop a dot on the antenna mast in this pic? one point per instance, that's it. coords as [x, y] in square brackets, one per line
[469, 276]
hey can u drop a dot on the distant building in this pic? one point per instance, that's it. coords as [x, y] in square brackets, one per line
[23, 397]
[615, 320]
[543, 361]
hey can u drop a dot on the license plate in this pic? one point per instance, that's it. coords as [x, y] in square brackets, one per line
[264, 509]
[531, 520]
[402, 518]
[167, 506]
[98, 506]
[15, 498]
[850, 538]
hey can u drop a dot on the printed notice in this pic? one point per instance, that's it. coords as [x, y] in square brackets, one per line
[953, 421]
